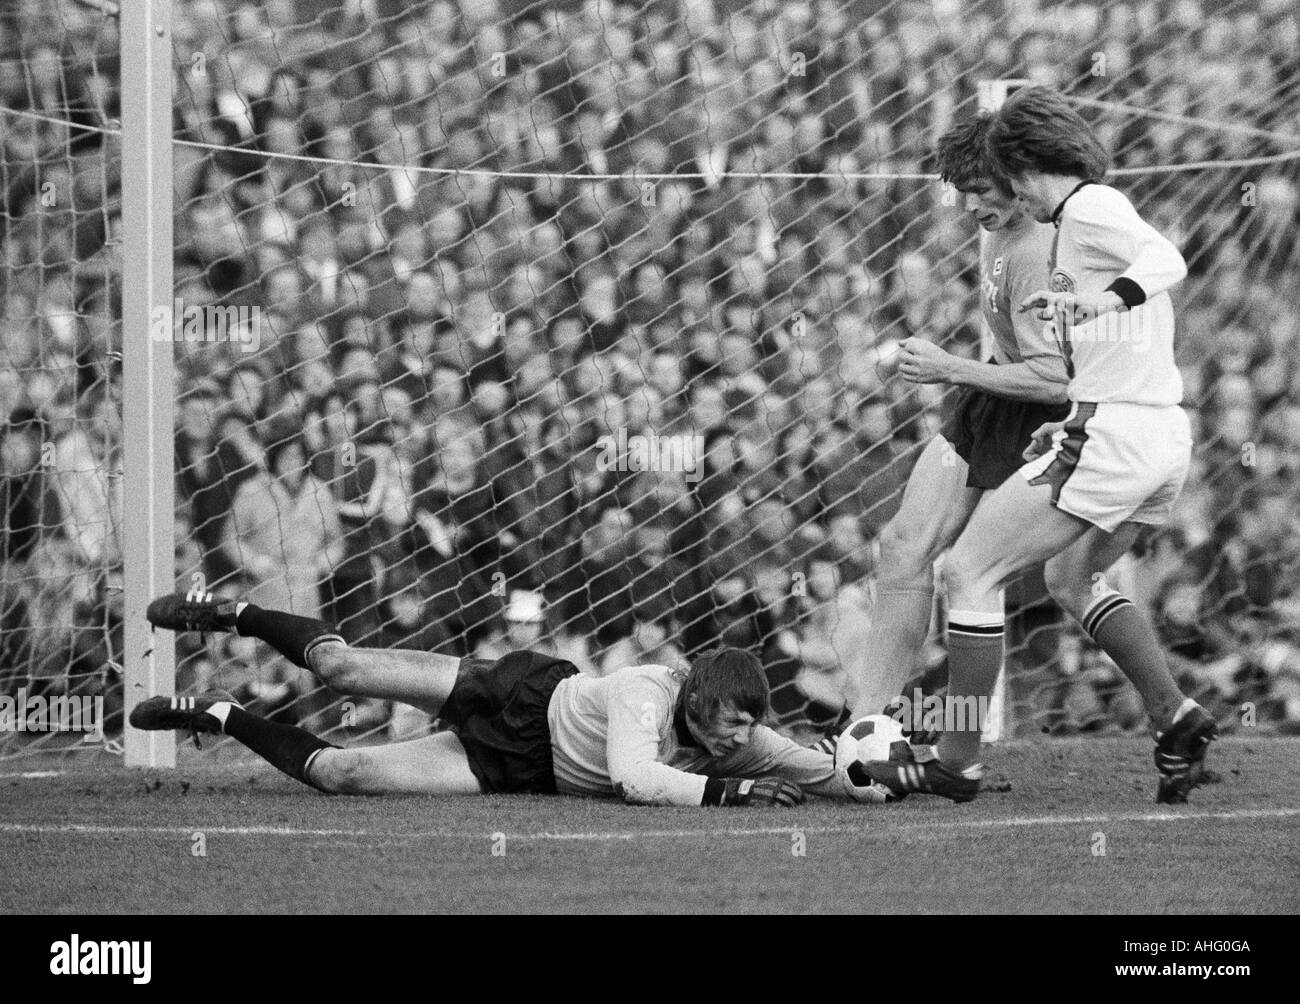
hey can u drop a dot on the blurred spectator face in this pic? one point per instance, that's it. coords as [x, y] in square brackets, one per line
[874, 425]
[772, 520]
[823, 580]
[18, 452]
[359, 364]
[520, 344]
[756, 450]
[446, 228]
[396, 404]
[666, 373]
[708, 407]
[722, 456]
[567, 334]
[284, 286]
[1236, 426]
[643, 409]
[409, 243]
[1235, 390]
[195, 418]
[246, 390]
[291, 466]
[846, 535]
[1182, 605]
[771, 584]
[614, 528]
[648, 634]
[457, 459]
[406, 608]
[737, 354]
[491, 399]
[1234, 349]
[356, 332]
[600, 297]
[652, 543]
[651, 289]
[422, 295]
[523, 634]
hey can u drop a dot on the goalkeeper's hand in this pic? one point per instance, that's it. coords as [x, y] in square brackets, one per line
[763, 791]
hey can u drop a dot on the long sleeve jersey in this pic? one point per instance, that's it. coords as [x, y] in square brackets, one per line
[1103, 244]
[618, 735]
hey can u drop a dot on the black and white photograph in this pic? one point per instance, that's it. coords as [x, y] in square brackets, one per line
[650, 457]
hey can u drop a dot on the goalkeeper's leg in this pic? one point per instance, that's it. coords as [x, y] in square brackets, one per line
[421, 679]
[433, 765]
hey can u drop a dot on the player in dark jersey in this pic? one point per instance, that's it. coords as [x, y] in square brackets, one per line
[999, 405]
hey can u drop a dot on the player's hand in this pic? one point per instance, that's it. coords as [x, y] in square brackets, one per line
[1068, 307]
[1041, 441]
[920, 361]
[763, 791]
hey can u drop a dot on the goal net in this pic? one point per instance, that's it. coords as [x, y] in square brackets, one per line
[570, 325]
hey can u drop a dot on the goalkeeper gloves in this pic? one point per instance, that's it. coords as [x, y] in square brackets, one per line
[743, 791]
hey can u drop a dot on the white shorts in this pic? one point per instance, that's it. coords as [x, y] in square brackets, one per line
[1116, 463]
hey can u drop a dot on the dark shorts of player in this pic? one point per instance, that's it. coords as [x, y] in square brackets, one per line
[498, 710]
[990, 433]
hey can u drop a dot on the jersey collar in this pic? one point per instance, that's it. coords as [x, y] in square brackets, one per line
[1056, 213]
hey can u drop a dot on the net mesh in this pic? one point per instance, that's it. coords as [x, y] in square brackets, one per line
[60, 362]
[597, 301]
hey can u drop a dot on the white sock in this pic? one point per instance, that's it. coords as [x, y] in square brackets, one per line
[220, 711]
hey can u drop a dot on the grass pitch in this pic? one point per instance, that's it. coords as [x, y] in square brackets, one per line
[1065, 826]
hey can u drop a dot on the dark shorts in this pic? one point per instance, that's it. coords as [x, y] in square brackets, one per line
[498, 711]
[990, 433]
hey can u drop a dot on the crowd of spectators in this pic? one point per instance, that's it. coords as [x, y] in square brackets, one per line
[451, 335]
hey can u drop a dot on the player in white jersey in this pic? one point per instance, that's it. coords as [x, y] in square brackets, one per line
[999, 406]
[527, 722]
[1116, 463]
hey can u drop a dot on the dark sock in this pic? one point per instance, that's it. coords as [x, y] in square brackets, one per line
[285, 747]
[974, 661]
[1121, 631]
[290, 635]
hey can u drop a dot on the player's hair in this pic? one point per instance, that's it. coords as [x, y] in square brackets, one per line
[726, 676]
[1036, 129]
[963, 156]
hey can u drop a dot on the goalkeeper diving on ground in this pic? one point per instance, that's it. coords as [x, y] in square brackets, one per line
[526, 723]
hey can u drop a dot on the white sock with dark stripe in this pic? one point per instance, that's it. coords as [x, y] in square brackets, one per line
[974, 660]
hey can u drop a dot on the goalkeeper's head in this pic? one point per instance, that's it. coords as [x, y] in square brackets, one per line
[966, 162]
[724, 697]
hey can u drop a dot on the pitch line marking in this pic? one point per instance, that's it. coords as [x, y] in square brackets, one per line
[96, 829]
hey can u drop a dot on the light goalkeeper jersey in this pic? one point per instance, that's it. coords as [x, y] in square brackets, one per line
[1102, 243]
[615, 736]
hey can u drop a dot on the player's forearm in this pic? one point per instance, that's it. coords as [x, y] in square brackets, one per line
[1017, 381]
[1157, 267]
[654, 783]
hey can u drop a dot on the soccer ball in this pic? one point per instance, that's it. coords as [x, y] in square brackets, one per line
[867, 739]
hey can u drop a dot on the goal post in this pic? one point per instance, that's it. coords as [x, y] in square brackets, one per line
[148, 662]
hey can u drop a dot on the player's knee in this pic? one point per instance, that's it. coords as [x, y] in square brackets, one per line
[1062, 583]
[344, 772]
[967, 575]
[336, 666]
[904, 552]
[1069, 585]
